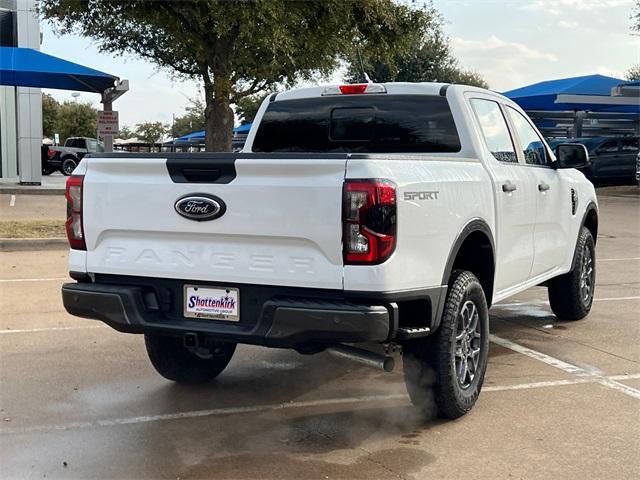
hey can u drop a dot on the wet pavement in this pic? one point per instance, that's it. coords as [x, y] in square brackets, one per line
[561, 399]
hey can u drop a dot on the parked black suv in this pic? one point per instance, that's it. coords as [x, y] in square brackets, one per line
[613, 159]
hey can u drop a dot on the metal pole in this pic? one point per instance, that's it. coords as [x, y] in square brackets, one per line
[108, 97]
[577, 123]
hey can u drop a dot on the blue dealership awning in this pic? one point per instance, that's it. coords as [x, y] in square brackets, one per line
[25, 67]
[198, 137]
[548, 95]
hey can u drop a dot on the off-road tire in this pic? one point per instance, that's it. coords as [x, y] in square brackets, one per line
[175, 362]
[430, 370]
[68, 166]
[566, 292]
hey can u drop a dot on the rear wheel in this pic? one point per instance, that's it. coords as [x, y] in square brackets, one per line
[445, 372]
[68, 166]
[571, 295]
[175, 362]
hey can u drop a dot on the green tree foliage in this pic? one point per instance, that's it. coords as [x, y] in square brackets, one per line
[635, 18]
[151, 132]
[76, 119]
[247, 107]
[238, 48]
[192, 121]
[68, 119]
[125, 133]
[50, 112]
[633, 73]
[429, 59]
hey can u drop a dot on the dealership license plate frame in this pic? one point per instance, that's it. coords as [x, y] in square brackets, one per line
[210, 316]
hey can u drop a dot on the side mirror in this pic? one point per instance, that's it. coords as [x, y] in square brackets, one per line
[572, 155]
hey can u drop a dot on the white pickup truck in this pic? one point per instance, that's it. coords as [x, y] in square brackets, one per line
[391, 214]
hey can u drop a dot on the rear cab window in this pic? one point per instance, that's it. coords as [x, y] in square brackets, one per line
[610, 146]
[368, 123]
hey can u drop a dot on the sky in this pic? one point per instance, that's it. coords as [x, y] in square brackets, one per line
[511, 43]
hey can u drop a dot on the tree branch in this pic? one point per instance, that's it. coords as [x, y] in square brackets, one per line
[254, 88]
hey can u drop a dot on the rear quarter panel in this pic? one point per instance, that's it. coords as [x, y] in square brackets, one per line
[427, 228]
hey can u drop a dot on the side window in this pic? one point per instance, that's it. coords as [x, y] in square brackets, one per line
[532, 145]
[610, 146]
[630, 145]
[494, 129]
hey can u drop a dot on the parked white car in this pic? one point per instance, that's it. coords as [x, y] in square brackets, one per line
[388, 213]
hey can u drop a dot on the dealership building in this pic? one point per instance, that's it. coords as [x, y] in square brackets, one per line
[20, 107]
[24, 71]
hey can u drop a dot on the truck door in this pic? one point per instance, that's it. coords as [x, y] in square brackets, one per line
[628, 153]
[552, 198]
[514, 195]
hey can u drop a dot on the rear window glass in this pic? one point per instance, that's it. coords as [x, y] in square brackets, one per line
[360, 124]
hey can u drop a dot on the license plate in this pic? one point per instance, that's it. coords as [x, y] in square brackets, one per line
[217, 303]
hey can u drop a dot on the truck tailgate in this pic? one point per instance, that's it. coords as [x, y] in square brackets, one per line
[282, 224]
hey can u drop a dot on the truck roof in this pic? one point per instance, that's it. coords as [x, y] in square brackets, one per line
[397, 88]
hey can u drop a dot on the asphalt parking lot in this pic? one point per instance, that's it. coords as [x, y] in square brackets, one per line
[561, 399]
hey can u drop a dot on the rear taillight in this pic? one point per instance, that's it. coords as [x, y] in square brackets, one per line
[368, 221]
[51, 153]
[74, 227]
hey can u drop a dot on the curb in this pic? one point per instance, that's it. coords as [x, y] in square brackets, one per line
[31, 191]
[32, 244]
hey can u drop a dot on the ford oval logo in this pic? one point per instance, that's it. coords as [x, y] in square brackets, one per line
[200, 207]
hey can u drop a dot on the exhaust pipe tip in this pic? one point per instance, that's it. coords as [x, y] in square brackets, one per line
[388, 364]
[364, 357]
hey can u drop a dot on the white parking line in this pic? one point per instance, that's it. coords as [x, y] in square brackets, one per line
[12, 201]
[541, 357]
[616, 259]
[546, 302]
[566, 367]
[203, 413]
[615, 299]
[49, 329]
[12, 280]
[286, 406]
[556, 383]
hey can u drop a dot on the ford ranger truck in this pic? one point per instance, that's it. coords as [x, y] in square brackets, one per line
[392, 214]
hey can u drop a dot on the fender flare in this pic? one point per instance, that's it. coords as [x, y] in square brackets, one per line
[591, 207]
[474, 225]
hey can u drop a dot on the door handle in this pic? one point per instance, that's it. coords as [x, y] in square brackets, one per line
[509, 186]
[543, 187]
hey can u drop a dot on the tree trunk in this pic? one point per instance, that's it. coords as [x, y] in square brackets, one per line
[218, 115]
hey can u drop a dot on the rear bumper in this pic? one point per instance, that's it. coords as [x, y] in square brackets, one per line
[270, 316]
[282, 322]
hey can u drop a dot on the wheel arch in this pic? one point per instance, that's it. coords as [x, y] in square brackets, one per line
[469, 252]
[590, 221]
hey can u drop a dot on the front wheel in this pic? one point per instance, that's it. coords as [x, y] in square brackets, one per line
[445, 372]
[174, 361]
[68, 166]
[571, 294]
